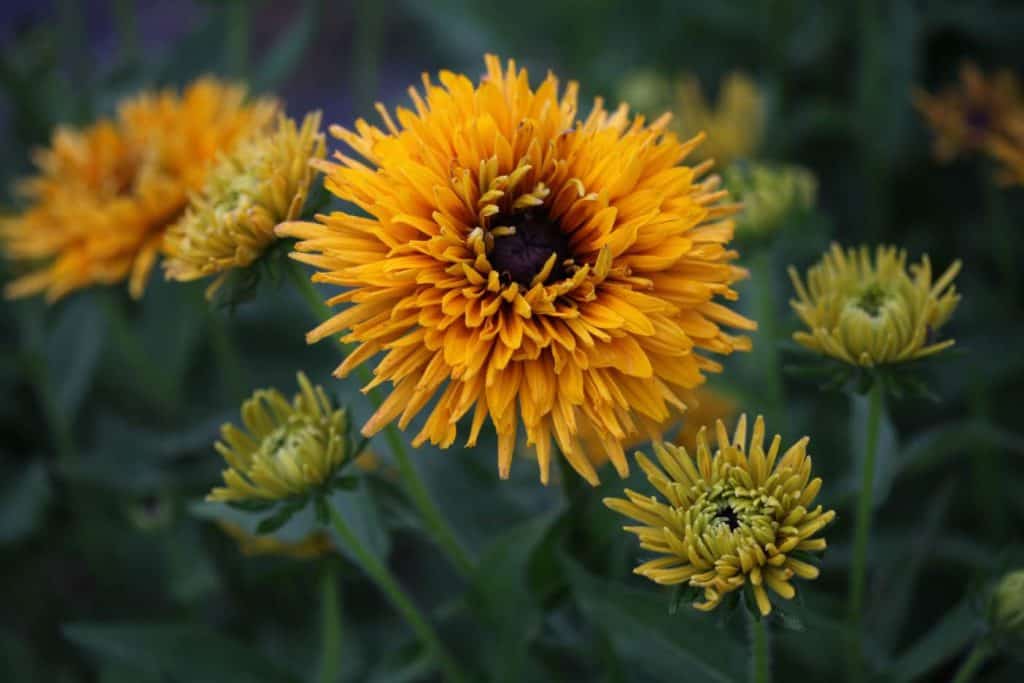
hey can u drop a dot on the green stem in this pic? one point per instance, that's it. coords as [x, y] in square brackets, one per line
[56, 420]
[232, 372]
[435, 523]
[330, 663]
[760, 666]
[366, 51]
[975, 660]
[381, 576]
[771, 376]
[862, 535]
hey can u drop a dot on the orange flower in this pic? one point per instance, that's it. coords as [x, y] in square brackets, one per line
[966, 117]
[525, 265]
[104, 196]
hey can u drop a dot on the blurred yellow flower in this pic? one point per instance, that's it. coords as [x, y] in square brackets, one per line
[525, 265]
[286, 449]
[1008, 151]
[734, 125]
[248, 192]
[105, 195]
[316, 544]
[869, 312]
[965, 117]
[732, 519]
[770, 193]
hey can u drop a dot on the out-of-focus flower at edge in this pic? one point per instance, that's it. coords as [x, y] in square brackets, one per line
[734, 124]
[231, 221]
[1007, 606]
[526, 266]
[316, 544]
[733, 519]
[703, 406]
[770, 194]
[105, 195]
[286, 450]
[1008, 150]
[871, 311]
[967, 116]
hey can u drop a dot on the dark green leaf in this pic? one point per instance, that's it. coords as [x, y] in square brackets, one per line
[649, 639]
[185, 653]
[956, 630]
[24, 498]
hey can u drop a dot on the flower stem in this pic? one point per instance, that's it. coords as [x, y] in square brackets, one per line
[330, 663]
[386, 581]
[237, 39]
[975, 660]
[760, 667]
[862, 535]
[435, 523]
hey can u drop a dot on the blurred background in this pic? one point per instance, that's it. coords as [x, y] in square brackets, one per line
[111, 570]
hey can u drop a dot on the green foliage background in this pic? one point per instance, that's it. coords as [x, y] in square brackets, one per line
[112, 571]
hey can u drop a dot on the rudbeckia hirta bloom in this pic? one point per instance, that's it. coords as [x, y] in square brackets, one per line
[526, 266]
[869, 311]
[967, 116]
[729, 520]
[770, 194]
[231, 222]
[286, 449]
[734, 123]
[105, 195]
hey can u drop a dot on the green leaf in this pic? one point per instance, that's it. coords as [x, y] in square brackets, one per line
[23, 502]
[73, 349]
[282, 516]
[285, 56]
[189, 653]
[957, 629]
[501, 596]
[685, 646]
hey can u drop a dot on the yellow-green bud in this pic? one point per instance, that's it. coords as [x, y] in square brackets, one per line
[1008, 604]
[769, 193]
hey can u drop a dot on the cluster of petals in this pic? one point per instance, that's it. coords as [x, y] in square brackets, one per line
[604, 333]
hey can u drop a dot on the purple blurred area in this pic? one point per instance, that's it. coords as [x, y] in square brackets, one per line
[338, 72]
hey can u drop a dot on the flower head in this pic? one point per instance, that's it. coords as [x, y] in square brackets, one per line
[733, 124]
[869, 312]
[1007, 605]
[731, 519]
[967, 116]
[1008, 150]
[525, 265]
[231, 222]
[770, 194]
[104, 196]
[285, 450]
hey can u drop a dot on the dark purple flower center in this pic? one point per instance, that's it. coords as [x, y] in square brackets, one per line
[729, 516]
[519, 257]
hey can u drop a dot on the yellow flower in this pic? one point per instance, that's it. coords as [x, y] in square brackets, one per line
[316, 544]
[286, 449]
[231, 222]
[871, 312]
[104, 196]
[526, 266]
[769, 194]
[734, 125]
[1007, 605]
[732, 519]
[966, 116]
